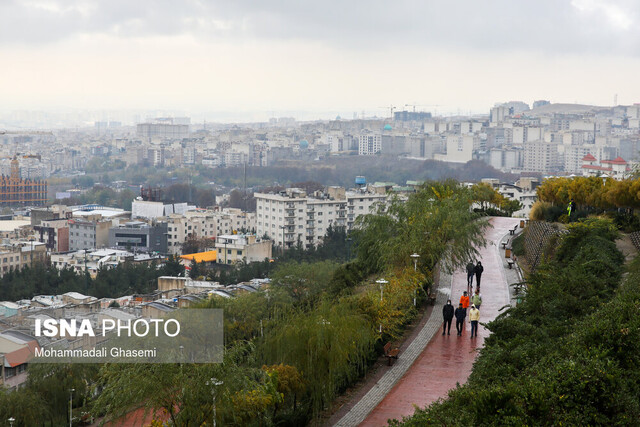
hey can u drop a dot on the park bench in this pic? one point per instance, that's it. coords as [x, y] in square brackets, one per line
[505, 243]
[510, 262]
[513, 230]
[390, 353]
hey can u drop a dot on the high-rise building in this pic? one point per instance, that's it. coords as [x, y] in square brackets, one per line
[540, 156]
[292, 216]
[16, 191]
[410, 116]
[370, 143]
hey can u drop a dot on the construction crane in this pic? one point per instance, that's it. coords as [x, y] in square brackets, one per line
[391, 108]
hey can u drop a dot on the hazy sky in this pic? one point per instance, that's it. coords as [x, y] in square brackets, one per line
[322, 56]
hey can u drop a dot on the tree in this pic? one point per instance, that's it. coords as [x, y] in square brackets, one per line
[434, 221]
[194, 269]
[329, 346]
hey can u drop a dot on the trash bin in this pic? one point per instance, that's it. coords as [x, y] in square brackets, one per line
[507, 253]
[522, 223]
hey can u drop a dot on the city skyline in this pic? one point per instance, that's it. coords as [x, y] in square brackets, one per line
[265, 59]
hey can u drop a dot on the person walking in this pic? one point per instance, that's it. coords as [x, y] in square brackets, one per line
[476, 299]
[478, 270]
[461, 314]
[447, 314]
[571, 208]
[464, 300]
[471, 270]
[474, 315]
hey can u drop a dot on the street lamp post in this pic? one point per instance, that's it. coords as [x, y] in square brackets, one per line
[381, 282]
[214, 382]
[71, 390]
[11, 421]
[86, 278]
[415, 257]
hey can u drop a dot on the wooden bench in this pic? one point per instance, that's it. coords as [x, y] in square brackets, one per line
[390, 353]
[505, 243]
[513, 230]
[510, 262]
[432, 299]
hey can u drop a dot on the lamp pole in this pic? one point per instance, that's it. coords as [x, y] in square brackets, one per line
[381, 282]
[11, 421]
[214, 382]
[415, 257]
[71, 390]
[86, 278]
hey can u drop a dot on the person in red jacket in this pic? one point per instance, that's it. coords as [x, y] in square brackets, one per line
[464, 300]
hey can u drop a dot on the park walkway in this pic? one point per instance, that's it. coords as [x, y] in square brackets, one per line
[433, 364]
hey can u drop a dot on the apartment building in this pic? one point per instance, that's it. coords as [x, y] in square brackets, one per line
[93, 261]
[138, 236]
[369, 143]
[292, 215]
[205, 224]
[523, 191]
[460, 148]
[234, 248]
[16, 256]
[16, 350]
[54, 233]
[164, 130]
[540, 156]
[88, 234]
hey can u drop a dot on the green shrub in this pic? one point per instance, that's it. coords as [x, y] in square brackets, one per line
[569, 354]
[517, 245]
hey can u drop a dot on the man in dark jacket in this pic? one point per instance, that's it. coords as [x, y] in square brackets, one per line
[461, 314]
[447, 314]
[471, 270]
[478, 269]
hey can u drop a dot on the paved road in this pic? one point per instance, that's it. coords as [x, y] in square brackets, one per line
[448, 359]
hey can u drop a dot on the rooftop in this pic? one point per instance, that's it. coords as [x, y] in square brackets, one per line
[617, 161]
[208, 256]
[12, 224]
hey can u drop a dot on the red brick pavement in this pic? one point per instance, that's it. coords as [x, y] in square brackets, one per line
[448, 359]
